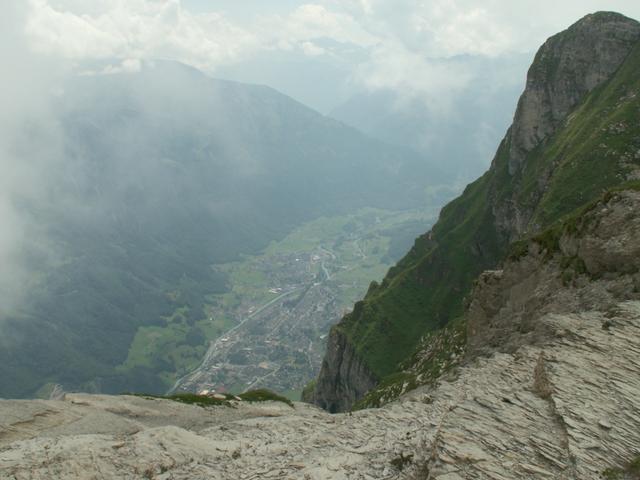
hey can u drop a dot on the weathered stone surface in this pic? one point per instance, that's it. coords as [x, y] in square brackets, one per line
[491, 422]
[586, 423]
[506, 305]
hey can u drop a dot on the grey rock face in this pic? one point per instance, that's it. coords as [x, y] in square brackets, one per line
[594, 268]
[559, 410]
[344, 378]
[567, 67]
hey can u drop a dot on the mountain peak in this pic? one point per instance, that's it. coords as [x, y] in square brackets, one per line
[569, 65]
[601, 17]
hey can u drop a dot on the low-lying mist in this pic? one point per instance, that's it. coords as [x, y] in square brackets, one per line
[30, 147]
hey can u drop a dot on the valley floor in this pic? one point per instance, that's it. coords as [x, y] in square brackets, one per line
[566, 409]
[283, 302]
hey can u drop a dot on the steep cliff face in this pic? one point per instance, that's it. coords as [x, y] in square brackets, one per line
[568, 66]
[346, 377]
[576, 132]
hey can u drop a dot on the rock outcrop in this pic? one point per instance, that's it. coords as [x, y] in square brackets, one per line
[561, 409]
[590, 262]
[567, 67]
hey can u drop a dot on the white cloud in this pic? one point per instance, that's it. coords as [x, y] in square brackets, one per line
[415, 36]
[434, 28]
[70, 35]
[163, 28]
[489, 27]
[312, 50]
[129, 65]
[136, 29]
[316, 21]
[449, 29]
[391, 66]
[400, 43]
[28, 142]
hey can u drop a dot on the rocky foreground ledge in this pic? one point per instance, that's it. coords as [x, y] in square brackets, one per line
[549, 388]
[568, 408]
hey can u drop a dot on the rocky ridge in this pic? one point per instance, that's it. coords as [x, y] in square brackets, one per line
[565, 70]
[589, 262]
[563, 409]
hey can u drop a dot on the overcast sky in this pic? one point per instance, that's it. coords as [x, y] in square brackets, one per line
[333, 46]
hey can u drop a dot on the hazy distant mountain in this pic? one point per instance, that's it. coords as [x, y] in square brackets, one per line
[459, 132]
[162, 173]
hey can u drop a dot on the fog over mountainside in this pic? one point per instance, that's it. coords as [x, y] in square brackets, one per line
[24, 116]
[149, 177]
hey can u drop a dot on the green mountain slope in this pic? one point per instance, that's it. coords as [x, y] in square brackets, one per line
[576, 133]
